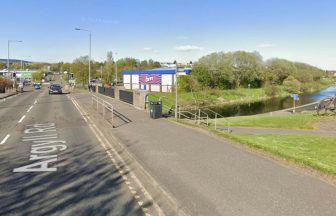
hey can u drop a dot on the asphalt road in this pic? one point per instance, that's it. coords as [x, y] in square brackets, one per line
[51, 163]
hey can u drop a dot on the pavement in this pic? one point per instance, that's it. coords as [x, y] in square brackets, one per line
[52, 162]
[206, 175]
[7, 94]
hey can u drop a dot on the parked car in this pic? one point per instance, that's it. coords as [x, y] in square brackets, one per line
[55, 89]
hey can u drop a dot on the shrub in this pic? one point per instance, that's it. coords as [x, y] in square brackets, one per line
[292, 85]
[272, 90]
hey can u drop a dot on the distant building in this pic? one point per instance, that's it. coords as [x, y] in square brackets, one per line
[332, 72]
[156, 80]
[19, 74]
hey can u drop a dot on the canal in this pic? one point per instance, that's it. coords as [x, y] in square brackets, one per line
[272, 105]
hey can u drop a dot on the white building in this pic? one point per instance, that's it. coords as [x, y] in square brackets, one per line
[157, 80]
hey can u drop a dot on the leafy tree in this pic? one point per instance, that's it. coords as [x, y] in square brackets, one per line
[38, 76]
[3, 65]
[292, 85]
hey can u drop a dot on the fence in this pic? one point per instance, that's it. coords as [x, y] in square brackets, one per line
[126, 96]
[109, 92]
[104, 106]
[101, 90]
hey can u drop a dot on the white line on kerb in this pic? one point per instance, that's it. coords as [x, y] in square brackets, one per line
[21, 119]
[5, 139]
[31, 107]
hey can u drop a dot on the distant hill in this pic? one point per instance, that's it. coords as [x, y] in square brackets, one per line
[14, 61]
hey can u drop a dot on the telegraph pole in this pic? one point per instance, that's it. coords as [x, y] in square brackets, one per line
[176, 95]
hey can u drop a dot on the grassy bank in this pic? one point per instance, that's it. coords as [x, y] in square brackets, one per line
[318, 152]
[217, 97]
[314, 151]
[291, 121]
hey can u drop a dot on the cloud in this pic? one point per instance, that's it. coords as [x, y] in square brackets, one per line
[188, 48]
[148, 49]
[182, 37]
[266, 45]
[100, 20]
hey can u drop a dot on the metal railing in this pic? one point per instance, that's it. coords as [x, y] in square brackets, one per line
[98, 102]
[221, 117]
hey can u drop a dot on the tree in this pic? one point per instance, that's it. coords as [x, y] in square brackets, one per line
[3, 65]
[38, 76]
[279, 69]
[292, 85]
[109, 68]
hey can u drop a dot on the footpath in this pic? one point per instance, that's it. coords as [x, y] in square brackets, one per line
[206, 175]
[7, 94]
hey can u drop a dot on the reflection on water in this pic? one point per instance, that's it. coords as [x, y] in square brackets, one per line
[272, 104]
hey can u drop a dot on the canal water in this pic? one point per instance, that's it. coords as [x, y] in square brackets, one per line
[272, 105]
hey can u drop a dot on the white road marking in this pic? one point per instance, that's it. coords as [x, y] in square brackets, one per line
[31, 107]
[21, 119]
[5, 139]
[35, 101]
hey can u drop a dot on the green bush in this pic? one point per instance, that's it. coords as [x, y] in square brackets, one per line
[292, 85]
[272, 90]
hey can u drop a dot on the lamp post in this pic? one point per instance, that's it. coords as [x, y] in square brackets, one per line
[79, 29]
[116, 69]
[8, 47]
[23, 63]
[176, 96]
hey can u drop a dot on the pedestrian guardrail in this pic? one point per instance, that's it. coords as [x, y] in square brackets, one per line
[104, 106]
[221, 117]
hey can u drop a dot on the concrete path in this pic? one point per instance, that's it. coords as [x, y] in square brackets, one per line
[211, 176]
[7, 94]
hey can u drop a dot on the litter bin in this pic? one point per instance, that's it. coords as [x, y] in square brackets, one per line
[155, 109]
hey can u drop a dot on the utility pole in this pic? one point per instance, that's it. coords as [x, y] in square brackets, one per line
[176, 96]
[8, 65]
[101, 72]
[79, 29]
[8, 70]
[116, 69]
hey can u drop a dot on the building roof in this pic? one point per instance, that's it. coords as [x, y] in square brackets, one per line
[155, 71]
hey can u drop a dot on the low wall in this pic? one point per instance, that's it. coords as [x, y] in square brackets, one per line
[136, 98]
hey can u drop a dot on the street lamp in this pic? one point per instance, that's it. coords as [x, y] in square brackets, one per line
[8, 46]
[176, 86]
[116, 69]
[79, 29]
[22, 62]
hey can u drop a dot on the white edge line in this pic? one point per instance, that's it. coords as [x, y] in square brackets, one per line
[5, 139]
[21, 119]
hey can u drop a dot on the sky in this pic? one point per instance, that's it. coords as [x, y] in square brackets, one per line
[168, 30]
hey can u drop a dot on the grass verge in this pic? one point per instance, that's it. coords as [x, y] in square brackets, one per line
[314, 151]
[291, 121]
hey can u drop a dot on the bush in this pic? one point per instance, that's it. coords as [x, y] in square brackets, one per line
[272, 90]
[292, 85]
[5, 84]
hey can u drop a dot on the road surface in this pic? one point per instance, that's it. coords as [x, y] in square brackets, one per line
[52, 163]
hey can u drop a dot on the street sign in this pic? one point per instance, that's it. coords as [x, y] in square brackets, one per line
[295, 97]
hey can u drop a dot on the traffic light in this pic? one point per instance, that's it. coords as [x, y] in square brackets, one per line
[14, 74]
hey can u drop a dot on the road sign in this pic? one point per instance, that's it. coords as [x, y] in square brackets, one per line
[295, 97]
